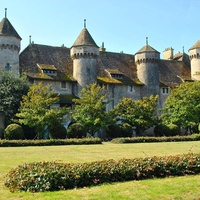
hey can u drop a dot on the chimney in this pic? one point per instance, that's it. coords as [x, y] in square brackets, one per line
[168, 54]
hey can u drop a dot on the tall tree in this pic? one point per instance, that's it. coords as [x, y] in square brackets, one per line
[90, 108]
[140, 113]
[12, 88]
[35, 108]
[182, 107]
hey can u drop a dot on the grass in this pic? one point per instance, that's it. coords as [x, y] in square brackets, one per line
[186, 187]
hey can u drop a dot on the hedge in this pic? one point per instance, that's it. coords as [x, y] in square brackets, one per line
[52, 176]
[51, 142]
[194, 137]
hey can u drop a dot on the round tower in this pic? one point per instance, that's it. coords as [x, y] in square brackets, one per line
[84, 53]
[9, 46]
[194, 53]
[147, 69]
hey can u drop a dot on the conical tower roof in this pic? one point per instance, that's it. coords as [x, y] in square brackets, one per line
[84, 39]
[147, 48]
[7, 29]
[196, 45]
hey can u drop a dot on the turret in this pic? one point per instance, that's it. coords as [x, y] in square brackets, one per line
[194, 53]
[9, 46]
[147, 69]
[84, 53]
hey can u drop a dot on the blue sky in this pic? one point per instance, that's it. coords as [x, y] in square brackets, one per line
[122, 25]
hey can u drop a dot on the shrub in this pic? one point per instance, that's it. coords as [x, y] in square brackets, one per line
[166, 130]
[113, 131]
[126, 130]
[174, 130]
[119, 130]
[57, 131]
[14, 132]
[76, 131]
[51, 142]
[51, 176]
[161, 130]
[29, 132]
[193, 137]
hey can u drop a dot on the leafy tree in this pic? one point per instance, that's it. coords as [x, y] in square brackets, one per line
[90, 109]
[182, 107]
[35, 108]
[12, 88]
[140, 113]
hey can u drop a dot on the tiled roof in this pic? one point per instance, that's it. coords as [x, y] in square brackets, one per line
[171, 72]
[85, 39]
[196, 45]
[147, 48]
[7, 29]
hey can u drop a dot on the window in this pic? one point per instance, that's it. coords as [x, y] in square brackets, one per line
[8, 67]
[88, 71]
[117, 76]
[165, 90]
[130, 88]
[63, 84]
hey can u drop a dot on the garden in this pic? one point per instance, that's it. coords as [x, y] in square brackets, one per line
[97, 157]
[172, 187]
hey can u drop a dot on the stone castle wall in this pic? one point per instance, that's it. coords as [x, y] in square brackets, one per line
[9, 53]
[195, 63]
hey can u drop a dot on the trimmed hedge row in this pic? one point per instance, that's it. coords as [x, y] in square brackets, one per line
[194, 137]
[52, 176]
[51, 142]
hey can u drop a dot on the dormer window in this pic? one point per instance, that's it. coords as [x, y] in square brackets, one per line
[115, 73]
[117, 76]
[47, 69]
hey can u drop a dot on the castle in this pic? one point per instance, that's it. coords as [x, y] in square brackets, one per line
[123, 75]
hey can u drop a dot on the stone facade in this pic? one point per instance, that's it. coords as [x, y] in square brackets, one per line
[194, 52]
[123, 75]
[9, 47]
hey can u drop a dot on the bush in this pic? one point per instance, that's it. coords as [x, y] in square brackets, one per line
[119, 130]
[29, 132]
[113, 131]
[76, 131]
[14, 132]
[174, 130]
[57, 131]
[166, 130]
[126, 130]
[193, 137]
[51, 176]
[161, 130]
[19, 143]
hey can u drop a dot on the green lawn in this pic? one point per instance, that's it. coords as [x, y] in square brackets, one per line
[169, 188]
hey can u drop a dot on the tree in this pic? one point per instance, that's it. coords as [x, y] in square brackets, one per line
[90, 109]
[182, 107]
[140, 113]
[35, 108]
[12, 89]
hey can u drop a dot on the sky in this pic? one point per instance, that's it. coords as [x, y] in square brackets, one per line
[122, 25]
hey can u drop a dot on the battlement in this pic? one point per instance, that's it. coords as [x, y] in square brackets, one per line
[146, 60]
[9, 46]
[83, 55]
